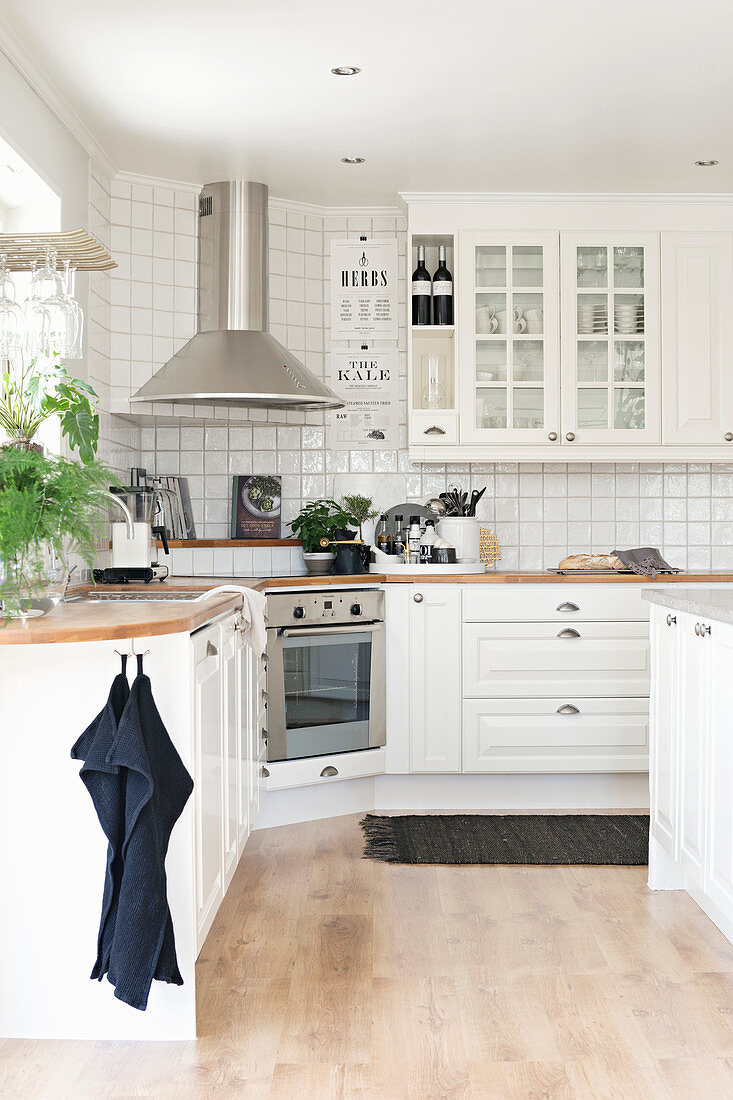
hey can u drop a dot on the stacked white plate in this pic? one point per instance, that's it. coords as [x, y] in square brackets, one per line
[628, 318]
[592, 319]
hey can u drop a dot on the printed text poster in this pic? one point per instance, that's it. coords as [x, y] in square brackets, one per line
[367, 382]
[364, 289]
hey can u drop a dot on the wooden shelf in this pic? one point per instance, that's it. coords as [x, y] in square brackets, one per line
[195, 544]
[199, 544]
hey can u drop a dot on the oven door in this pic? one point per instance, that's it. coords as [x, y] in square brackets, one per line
[325, 689]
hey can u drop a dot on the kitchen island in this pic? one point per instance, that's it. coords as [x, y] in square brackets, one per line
[55, 674]
[691, 749]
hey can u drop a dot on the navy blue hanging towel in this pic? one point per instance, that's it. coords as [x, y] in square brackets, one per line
[106, 785]
[152, 790]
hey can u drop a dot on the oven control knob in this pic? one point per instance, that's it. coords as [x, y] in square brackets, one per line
[356, 609]
[298, 612]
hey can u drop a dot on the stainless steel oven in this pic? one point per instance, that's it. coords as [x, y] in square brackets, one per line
[325, 672]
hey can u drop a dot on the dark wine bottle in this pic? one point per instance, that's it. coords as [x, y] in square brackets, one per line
[442, 292]
[420, 290]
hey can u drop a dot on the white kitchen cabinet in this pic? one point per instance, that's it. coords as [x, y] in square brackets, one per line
[435, 678]
[720, 767]
[610, 338]
[209, 788]
[697, 337]
[692, 743]
[230, 727]
[691, 763]
[663, 749]
[228, 709]
[566, 734]
[541, 659]
[509, 323]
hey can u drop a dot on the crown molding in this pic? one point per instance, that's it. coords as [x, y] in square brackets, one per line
[411, 197]
[322, 210]
[37, 80]
[158, 181]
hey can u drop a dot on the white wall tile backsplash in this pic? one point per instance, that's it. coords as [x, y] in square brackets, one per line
[540, 512]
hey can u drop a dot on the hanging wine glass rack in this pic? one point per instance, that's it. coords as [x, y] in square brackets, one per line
[77, 247]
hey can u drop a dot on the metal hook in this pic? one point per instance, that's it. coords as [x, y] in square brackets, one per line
[132, 652]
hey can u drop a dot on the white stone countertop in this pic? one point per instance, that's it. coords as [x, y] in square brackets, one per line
[708, 603]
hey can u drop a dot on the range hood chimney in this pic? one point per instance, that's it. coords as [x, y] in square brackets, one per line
[233, 360]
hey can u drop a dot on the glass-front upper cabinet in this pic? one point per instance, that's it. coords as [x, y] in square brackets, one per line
[509, 351]
[610, 338]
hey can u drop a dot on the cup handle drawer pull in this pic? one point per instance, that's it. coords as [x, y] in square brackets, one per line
[265, 772]
[434, 429]
[567, 606]
[568, 708]
[328, 771]
[568, 632]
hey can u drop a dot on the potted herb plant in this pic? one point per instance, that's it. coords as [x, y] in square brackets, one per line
[32, 394]
[360, 507]
[48, 505]
[318, 520]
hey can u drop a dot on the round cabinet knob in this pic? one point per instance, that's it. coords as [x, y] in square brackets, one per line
[298, 612]
[704, 630]
[552, 437]
[418, 597]
[570, 436]
[671, 619]
[356, 609]
[729, 437]
[697, 629]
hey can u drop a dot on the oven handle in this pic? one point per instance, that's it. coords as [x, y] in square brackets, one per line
[319, 631]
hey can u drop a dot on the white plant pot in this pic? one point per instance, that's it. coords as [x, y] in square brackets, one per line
[319, 564]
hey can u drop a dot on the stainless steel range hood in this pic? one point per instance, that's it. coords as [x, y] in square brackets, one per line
[233, 360]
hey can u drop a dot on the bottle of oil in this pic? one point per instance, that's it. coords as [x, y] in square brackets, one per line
[383, 539]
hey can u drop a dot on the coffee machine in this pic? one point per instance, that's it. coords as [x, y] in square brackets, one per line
[135, 556]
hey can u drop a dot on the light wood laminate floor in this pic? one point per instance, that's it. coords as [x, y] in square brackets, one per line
[326, 976]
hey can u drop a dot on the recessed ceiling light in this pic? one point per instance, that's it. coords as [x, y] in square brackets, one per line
[345, 70]
[705, 163]
[353, 160]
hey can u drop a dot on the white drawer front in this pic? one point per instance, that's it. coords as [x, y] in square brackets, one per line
[304, 773]
[557, 603]
[553, 659]
[528, 735]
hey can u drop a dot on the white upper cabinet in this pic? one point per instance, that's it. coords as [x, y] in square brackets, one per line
[584, 331]
[509, 318]
[610, 338]
[697, 337]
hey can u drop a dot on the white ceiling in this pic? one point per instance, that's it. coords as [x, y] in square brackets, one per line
[468, 95]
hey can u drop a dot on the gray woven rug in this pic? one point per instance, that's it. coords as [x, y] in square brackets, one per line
[614, 839]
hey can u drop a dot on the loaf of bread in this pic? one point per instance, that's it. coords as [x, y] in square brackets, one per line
[591, 561]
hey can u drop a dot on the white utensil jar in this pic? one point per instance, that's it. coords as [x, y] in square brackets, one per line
[463, 532]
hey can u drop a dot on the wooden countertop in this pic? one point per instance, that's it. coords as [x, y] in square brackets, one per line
[87, 622]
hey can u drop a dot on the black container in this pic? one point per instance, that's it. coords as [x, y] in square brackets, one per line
[444, 555]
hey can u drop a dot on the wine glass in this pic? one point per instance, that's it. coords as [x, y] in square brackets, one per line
[12, 319]
[50, 314]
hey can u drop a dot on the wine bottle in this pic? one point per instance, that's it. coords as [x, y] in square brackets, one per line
[442, 292]
[420, 290]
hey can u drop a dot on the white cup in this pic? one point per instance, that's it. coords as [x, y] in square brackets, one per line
[534, 319]
[519, 323]
[486, 321]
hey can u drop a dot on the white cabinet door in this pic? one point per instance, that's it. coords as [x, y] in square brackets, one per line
[663, 748]
[244, 754]
[693, 726]
[509, 331]
[697, 337]
[208, 790]
[435, 678]
[610, 338]
[555, 735]
[230, 760]
[719, 646]
[553, 659]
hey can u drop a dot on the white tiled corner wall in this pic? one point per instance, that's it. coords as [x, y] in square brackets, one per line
[540, 512]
